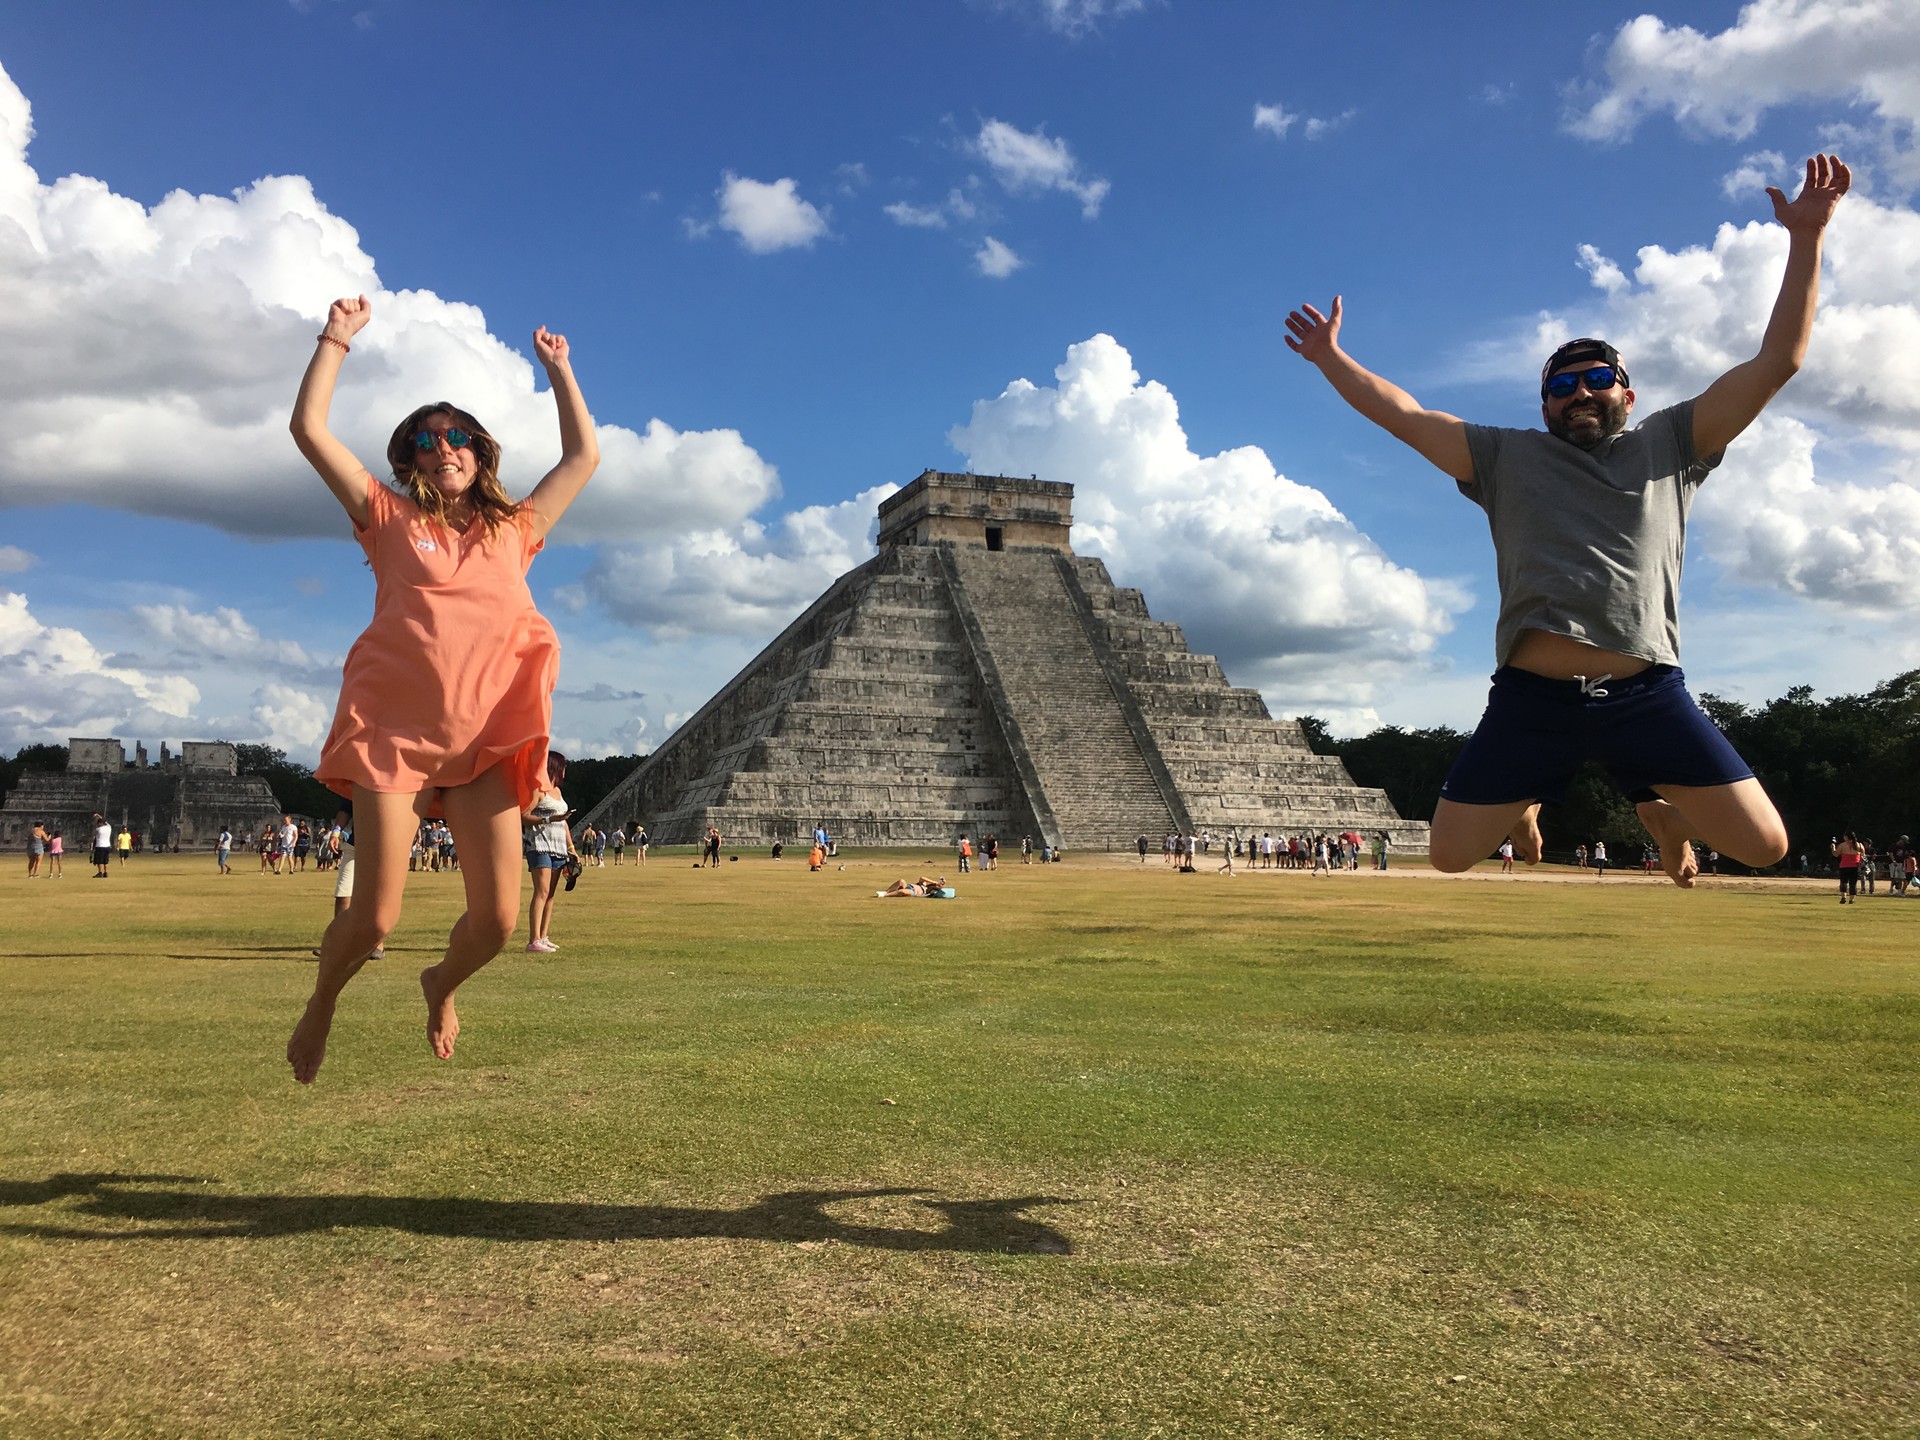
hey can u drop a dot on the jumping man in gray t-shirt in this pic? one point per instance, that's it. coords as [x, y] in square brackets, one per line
[1589, 528]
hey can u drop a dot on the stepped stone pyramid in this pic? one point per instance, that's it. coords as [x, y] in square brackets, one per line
[977, 676]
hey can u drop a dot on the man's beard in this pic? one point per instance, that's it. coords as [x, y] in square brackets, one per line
[1587, 422]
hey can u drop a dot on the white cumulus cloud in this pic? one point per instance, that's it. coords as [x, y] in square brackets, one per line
[1072, 17]
[226, 635]
[921, 217]
[54, 683]
[1028, 161]
[1261, 570]
[13, 560]
[995, 259]
[292, 720]
[1277, 120]
[743, 579]
[175, 337]
[1777, 52]
[768, 217]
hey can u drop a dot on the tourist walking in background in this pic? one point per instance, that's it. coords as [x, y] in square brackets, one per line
[123, 844]
[102, 845]
[966, 855]
[36, 848]
[1847, 855]
[548, 841]
[990, 848]
[1599, 853]
[223, 851]
[1506, 855]
[338, 841]
[56, 853]
[710, 855]
[640, 842]
[445, 705]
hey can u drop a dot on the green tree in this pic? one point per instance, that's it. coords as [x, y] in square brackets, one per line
[50, 758]
[591, 781]
[294, 788]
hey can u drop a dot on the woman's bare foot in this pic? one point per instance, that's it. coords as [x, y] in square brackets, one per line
[1670, 832]
[308, 1047]
[1527, 844]
[443, 1026]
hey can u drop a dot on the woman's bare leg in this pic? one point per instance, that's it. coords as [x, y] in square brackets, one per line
[540, 908]
[382, 828]
[485, 819]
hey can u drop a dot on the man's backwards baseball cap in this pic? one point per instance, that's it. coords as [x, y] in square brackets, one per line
[1577, 350]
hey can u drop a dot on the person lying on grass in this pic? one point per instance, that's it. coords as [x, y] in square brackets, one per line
[1589, 527]
[925, 887]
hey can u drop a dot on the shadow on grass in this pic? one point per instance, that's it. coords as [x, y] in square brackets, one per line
[979, 1226]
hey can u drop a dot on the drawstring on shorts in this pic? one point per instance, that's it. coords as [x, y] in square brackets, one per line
[1593, 689]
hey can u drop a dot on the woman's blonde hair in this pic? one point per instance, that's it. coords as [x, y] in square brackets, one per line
[489, 501]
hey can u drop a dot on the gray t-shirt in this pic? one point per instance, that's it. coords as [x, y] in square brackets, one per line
[1589, 543]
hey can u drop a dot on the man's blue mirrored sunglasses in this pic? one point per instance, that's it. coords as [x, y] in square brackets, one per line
[1598, 378]
[458, 439]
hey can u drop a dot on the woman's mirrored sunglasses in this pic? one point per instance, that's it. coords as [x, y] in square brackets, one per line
[1598, 378]
[458, 439]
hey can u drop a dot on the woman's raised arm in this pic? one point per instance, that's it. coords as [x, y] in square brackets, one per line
[579, 451]
[345, 475]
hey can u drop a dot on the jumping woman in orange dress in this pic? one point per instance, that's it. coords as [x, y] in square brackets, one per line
[446, 699]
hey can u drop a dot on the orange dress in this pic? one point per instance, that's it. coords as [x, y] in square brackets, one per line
[455, 674]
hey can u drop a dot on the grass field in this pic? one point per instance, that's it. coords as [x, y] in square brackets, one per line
[1093, 1150]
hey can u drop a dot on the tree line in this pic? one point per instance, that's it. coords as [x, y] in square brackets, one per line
[1847, 763]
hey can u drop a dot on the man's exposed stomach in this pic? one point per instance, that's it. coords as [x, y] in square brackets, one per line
[1561, 657]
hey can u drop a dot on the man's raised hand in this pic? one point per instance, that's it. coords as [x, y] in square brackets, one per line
[347, 317]
[1313, 335]
[1828, 178]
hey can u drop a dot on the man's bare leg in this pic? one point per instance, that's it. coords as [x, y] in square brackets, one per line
[485, 819]
[382, 824]
[1464, 835]
[1738, 820]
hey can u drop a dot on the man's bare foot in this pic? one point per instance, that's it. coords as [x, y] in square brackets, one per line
[308, 1047]
[1527, 844]
[443, 1026]
[1669, 830]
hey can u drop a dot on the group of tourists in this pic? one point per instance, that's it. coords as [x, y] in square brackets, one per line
[1318, 851]
[595, 843]
[1861, 866]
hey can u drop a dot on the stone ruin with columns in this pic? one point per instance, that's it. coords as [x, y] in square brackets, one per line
[976, 676]
[178, 803]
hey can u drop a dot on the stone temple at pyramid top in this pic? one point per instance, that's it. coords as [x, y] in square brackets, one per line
[987, 512]
[977, 677]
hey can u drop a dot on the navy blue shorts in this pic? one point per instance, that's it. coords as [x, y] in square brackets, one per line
[1646, 730]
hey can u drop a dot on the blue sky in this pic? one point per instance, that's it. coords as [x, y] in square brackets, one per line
[803, 252]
